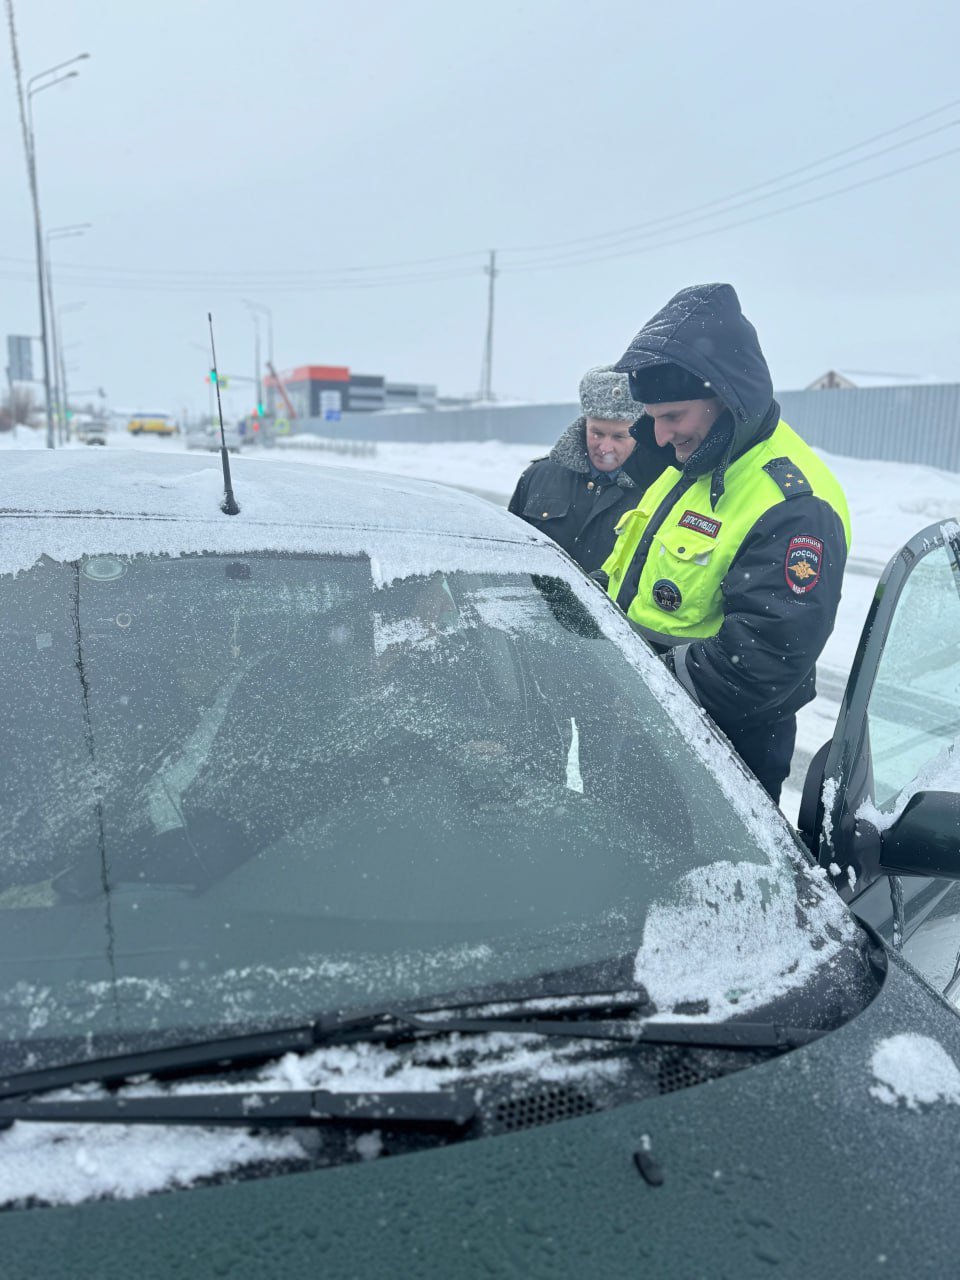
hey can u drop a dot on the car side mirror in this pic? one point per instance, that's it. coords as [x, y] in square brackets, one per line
[925, 839]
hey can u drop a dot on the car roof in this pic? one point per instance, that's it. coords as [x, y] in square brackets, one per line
[68, 503]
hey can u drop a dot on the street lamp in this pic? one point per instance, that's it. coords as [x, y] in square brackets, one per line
[59, 233]
[33, 88]
[271, 390]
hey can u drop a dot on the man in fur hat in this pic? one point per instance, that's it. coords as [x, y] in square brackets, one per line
[594, 473]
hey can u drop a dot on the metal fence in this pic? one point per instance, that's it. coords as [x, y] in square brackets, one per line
[894, 424]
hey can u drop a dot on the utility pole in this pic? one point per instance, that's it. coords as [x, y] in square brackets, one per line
[486, 374]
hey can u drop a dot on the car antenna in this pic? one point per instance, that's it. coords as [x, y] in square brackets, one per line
[229, 504]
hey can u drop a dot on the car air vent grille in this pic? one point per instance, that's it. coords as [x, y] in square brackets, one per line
[526, 1111]
[681, 1071]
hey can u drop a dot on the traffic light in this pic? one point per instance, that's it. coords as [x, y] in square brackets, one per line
[212, 377]
[260, 409]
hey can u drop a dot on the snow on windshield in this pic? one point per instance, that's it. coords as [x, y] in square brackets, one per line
[914, 1070]
[731, 924]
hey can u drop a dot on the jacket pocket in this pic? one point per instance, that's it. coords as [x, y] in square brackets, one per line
[542, 507]
[682, 578]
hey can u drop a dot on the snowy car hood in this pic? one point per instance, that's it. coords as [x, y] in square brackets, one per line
[801, 1163]
[65, 504]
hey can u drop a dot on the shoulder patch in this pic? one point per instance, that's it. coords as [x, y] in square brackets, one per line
[803, 563]
[788, 477]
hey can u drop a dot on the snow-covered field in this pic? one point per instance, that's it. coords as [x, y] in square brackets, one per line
[889, 502]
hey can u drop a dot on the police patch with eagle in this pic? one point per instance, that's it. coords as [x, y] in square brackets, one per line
[803, 563]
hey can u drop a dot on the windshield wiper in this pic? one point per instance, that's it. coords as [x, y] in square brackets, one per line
[230, 1052]
[260, 1108]
[707, 1035]
[564, 1017]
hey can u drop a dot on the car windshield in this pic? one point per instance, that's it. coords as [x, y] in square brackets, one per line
[239, 790]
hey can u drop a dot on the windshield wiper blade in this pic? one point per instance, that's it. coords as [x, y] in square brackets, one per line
[231, 1052]
[707, 1035]
[259, 1108]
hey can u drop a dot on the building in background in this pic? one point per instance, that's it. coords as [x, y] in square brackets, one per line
[326, 391]
[851, 379]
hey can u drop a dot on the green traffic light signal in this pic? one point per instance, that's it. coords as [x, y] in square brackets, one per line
[260, 409]
[213, 375]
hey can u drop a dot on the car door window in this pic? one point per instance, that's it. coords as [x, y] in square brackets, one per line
[914, 709]
[897, 735]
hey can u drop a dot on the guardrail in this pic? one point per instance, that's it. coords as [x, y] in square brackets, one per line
[354, 448]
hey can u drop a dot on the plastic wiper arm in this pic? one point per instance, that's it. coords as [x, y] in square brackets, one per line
[258, 1108]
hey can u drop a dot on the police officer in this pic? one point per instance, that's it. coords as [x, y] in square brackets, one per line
[595, 472]
[732, 562]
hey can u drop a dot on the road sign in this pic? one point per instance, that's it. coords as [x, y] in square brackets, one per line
[332, 415]
[19, 358]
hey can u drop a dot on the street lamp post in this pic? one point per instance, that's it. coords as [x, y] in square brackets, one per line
[33, 88]
[58, 233]
[271, 389]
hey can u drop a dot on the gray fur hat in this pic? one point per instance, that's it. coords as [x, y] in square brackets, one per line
[606, 394]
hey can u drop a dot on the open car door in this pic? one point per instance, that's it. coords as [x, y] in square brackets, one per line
[881, 801]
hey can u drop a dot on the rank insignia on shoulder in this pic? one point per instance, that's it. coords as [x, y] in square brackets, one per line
[803, 563]
[788, 477]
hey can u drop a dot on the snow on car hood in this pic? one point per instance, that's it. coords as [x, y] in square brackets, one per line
[63, 505]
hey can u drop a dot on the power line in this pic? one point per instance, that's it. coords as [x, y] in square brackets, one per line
[743, 191]
[561, 263]
[341, 277]
[185, 280]
[769, 195]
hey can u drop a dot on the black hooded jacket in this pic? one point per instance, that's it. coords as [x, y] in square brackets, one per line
[759, 668]
[559, 495]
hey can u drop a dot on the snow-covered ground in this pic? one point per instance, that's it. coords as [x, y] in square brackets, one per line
[889, 502]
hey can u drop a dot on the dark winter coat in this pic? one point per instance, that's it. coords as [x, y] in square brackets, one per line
[760, 667]
[559, 495]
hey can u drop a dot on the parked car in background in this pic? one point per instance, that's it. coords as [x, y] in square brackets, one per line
[208, 437]
[155, 424]
[92, 432]
[374, 902]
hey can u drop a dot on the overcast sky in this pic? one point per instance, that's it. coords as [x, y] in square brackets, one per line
[227, 150]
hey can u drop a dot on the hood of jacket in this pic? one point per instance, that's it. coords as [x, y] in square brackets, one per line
[570, 451]
[703, 329]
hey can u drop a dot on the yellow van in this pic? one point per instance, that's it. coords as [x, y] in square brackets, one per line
[157, 424]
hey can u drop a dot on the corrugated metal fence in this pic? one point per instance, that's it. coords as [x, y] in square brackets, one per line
[894, 424]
